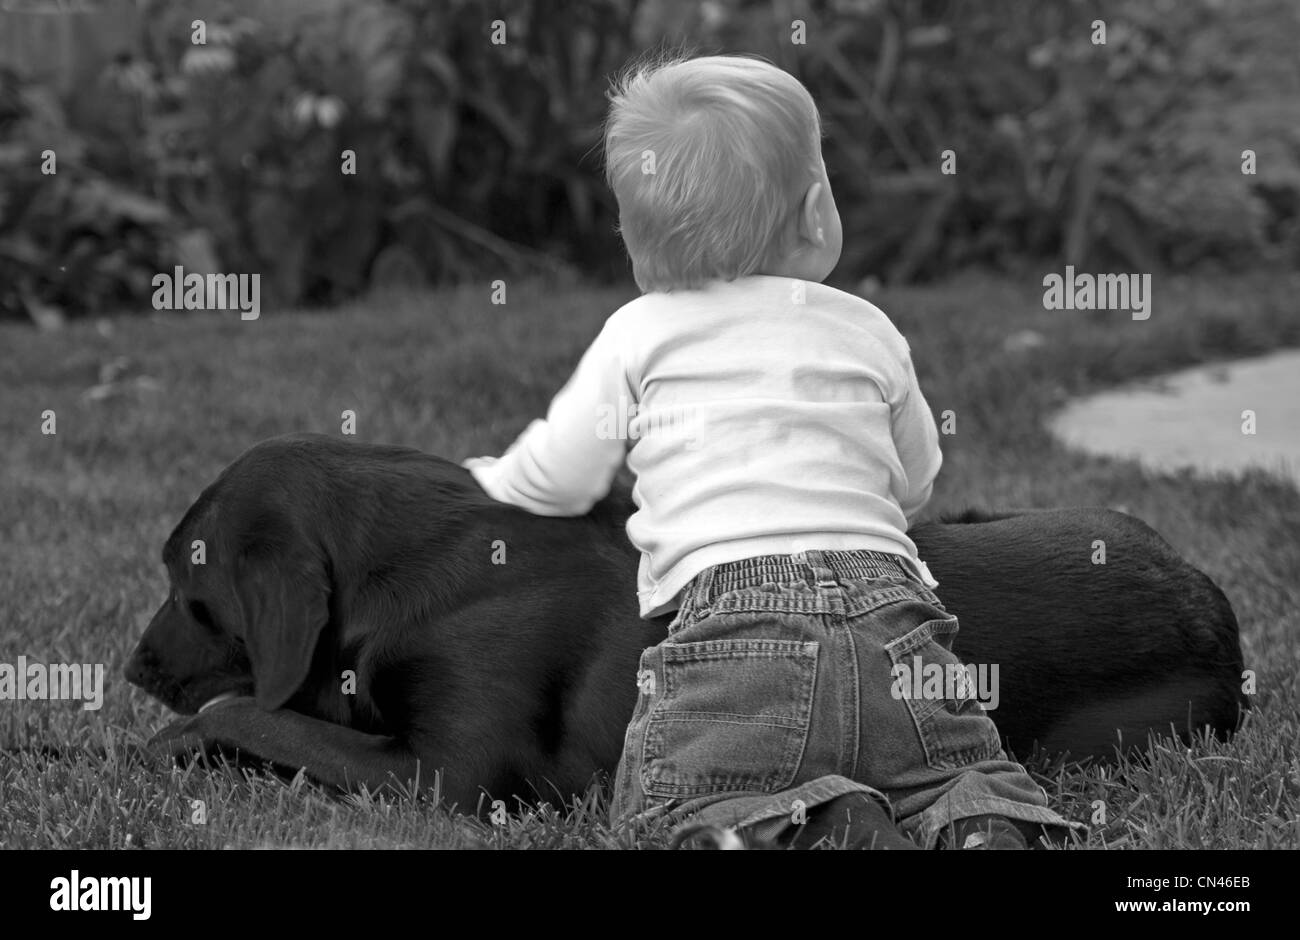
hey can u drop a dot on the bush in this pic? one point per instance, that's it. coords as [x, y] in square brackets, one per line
[72, 241]
[477, 159]
[465, 161]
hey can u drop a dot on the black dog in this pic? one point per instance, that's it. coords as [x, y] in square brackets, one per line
[355, 595]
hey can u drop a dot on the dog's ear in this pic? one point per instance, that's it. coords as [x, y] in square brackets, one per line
[284, 601]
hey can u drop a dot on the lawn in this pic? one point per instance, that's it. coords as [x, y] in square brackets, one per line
[84, 513]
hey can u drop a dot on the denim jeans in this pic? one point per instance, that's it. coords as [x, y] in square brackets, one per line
[774, 692]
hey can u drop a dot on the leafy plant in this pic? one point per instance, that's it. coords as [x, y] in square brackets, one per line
[476, 138]
[72, 241]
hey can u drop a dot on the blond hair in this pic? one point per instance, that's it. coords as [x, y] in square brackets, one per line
[709, 159]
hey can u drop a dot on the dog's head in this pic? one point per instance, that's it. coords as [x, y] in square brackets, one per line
[249, 594]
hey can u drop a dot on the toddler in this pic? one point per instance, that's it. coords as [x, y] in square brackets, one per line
[780, 444]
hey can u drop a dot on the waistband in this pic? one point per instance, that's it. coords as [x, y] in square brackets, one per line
[821, 568]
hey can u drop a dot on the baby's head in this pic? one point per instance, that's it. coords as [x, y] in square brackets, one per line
[717, 167]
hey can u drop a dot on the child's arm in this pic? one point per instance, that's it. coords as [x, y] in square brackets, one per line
[917, 441]
[561, 466]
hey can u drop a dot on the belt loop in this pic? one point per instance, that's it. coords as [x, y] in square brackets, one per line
[695, 595]
[704, 585]
[816, 563]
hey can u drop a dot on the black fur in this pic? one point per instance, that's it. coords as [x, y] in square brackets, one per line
[501, 674]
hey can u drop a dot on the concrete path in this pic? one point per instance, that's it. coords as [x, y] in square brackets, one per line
[1193, 419]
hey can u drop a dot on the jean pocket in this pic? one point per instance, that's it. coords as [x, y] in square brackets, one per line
[734, 715]
[953, 727]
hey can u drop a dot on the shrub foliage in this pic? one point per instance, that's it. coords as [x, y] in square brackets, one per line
[479, 158]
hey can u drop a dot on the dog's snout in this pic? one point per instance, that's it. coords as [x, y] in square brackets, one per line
[140, 666]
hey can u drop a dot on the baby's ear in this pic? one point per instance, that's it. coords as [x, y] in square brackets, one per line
[811, 225]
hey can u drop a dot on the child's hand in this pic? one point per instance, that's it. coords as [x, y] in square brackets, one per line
[473, 463]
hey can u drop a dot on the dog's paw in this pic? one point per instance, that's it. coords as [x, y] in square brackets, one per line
[208, 734]
[178, 742]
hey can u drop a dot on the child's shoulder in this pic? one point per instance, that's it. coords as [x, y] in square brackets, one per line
[859, 313]
[640, 306]
[804, 306]
[833, 296]
[658, 312]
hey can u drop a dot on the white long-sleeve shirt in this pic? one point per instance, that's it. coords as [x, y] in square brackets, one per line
[761, 416]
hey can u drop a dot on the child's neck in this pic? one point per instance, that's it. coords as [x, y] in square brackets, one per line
[800, 266]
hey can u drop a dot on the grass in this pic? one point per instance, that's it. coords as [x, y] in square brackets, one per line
[86, 511]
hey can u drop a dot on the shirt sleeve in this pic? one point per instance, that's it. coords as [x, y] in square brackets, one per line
[917, 441]
[563, 465]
